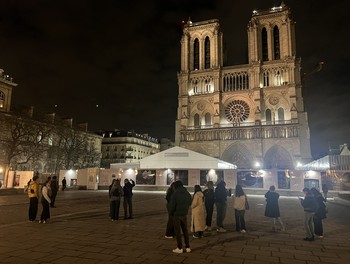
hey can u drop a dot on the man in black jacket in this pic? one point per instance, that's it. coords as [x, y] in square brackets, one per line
[178, 208]
[128, 185]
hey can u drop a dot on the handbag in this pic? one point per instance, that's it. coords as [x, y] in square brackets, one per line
[246, 203]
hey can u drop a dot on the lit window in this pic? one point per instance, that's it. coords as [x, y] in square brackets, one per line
[2, 100]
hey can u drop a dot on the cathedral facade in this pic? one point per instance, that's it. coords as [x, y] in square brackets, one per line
[251, 115]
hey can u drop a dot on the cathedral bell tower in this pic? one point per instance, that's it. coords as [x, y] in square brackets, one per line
[244, 114]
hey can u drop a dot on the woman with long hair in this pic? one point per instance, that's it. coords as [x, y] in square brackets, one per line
[239, 204]
[198, 213]
[115, 195]
[45, 202]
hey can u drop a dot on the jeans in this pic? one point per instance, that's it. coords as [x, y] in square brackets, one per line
[309, 224]
[180, 223]
[239, 218]
[220, 214]
[127, 203]
[318, 227]
[170, 226]
[46, 210]
[209, 207]
[114, 209]
[33, 208]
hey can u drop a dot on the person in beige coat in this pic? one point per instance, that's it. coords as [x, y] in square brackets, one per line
[198, 213]
[239, 204]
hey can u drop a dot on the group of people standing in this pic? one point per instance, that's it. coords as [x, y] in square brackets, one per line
[116, 192]
[315, 211]
[202, 204]
[49, 192]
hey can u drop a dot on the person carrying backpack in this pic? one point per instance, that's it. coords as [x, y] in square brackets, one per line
[115, 194]
[310, 206]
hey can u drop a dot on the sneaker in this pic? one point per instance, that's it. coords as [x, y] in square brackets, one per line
[178, 250]
[188, 250]
[39, 221]
[44, 222]
[194, 236]
[169, 237]
[243, 231]
[320, 236]
[221, 230]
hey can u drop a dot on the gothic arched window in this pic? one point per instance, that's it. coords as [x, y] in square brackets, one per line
[278, 78]
[280, 115]
[196, 54]
[266, 79]
[207, 53]
[268, 115]
[265, 52]
[196, 121]
[207, 119]
[276, 43]
[2, 100]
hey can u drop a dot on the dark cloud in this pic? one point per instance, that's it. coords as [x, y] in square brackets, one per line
[124, 56]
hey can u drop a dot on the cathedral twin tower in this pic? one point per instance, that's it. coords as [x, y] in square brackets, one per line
[251, 115]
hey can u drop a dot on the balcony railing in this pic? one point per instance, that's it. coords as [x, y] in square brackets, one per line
[286, 130]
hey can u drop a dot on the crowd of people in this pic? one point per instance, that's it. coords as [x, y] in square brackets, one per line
[179, 200]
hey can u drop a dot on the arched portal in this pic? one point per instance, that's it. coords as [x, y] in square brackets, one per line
[239, 155]
[278, 158]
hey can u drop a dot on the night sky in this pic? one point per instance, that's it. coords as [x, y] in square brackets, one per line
[70, 56]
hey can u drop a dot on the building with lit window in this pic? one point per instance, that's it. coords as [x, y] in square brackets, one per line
[250, 115]
[122, 146]
[33, 142]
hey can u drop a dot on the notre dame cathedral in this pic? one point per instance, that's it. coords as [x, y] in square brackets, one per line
[251, 115]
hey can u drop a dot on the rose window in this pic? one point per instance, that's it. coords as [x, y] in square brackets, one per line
[237, 111]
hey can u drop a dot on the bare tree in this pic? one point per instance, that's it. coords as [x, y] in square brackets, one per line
[22, 141]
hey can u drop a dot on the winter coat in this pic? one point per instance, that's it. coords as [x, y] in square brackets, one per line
[45, 192]
[220, 193]
[180, 202]
[113, 197]
[272, 208]
[209, 197]
[198, 213]
[239, 202]
[33, 190]
[128, 189]
[321, 212]
[309, 203]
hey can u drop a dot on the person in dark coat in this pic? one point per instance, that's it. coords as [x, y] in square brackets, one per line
[128, 185]
[209, 199]
[320, 214]
[221, 205]
[54, 191]
[310, 206]
[180, 203]
[169, 233]
[64, 183]
[272, 209]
